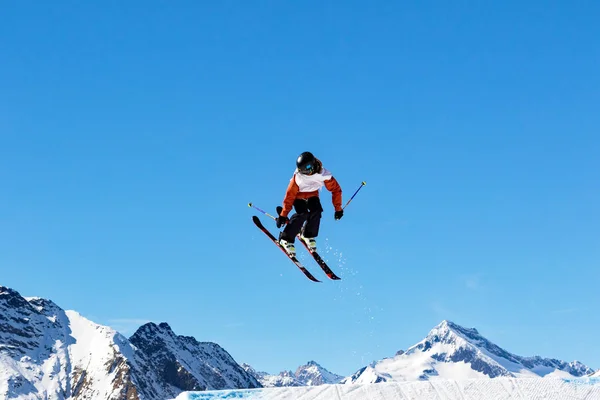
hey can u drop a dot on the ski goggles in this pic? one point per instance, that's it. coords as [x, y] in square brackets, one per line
[308, 168]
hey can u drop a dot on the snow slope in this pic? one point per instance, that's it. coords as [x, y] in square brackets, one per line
[102, 361]
[452, 352]
[441, 389]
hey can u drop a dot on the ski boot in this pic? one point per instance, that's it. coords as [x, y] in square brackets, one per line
[311, 243]
[288, 247]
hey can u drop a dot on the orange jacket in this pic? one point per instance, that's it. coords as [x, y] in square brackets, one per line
[305, 186]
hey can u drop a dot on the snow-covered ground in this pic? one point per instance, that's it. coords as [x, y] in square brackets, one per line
[441, 389]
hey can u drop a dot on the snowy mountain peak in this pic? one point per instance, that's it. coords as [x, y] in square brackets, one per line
[449, 332]
[151, 328]
[47, 352]
[45, 306]
[12, 298]
[165, 326]
[309, 374]
[312, 374]
[283, 379]
[8, 291]
[449, 325]
[27, 329]
[451, 351]
[187, 363]
[461, 340]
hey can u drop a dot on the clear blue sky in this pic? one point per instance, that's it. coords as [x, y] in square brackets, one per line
[133, 135]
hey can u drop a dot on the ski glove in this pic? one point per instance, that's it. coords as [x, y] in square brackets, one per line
[338, 214]
[280, 221]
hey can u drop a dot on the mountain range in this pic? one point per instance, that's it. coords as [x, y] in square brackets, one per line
[46, 352]
[310, 374]
[49, 353]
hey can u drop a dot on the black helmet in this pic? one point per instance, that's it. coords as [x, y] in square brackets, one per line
[306, 163]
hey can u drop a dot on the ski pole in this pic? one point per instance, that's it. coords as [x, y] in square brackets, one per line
[360, 187]
[262, 211]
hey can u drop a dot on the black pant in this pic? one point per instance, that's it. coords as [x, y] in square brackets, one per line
[307, 210]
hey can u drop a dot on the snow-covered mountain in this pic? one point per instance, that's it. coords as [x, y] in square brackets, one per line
[182, 361]
[310, 374]
[49, 353]
[596, 374]
[452, 352]
[283, 379]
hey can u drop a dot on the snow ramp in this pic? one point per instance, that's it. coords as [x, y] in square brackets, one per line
[479, 389]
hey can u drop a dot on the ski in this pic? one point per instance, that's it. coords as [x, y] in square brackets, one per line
[274, 240]
[321, 262]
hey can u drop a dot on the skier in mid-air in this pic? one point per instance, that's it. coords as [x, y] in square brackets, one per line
[303, 195]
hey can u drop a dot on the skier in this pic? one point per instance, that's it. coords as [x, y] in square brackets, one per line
[303, 195]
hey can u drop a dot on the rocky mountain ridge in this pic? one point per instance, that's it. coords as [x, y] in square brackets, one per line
[47, 352]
